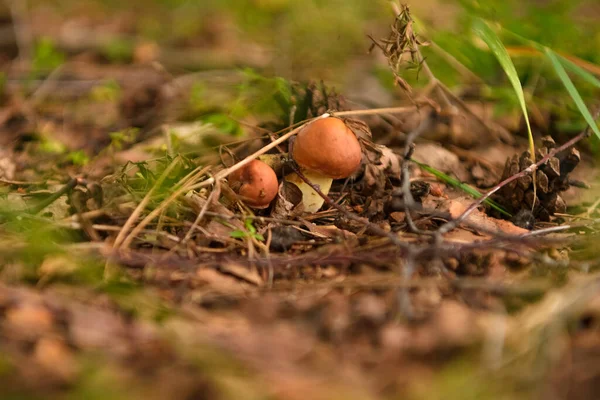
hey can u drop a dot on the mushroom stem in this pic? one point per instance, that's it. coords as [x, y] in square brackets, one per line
[311, 200]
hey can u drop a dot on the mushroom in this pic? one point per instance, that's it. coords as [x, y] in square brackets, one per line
[255, 183]
[325, 149]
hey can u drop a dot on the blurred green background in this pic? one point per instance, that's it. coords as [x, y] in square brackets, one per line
[312, 38]
[329, 40]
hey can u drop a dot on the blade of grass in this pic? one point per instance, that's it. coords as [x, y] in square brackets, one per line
[569, 64]
[576, 69]
[564, 77]
[485, 33]
[462, 186]
[559, 63]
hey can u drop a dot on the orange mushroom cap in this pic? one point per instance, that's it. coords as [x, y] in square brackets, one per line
[256, 183]
[329, 147]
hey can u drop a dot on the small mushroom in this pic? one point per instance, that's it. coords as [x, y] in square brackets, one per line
[255, 183]
[325, 149]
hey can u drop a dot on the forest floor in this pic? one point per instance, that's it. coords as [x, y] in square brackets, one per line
[130, 268]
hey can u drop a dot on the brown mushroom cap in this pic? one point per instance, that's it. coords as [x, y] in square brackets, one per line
[256, 183]
[329, 147]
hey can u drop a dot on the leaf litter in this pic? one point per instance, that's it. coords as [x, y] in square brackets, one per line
[154, 278]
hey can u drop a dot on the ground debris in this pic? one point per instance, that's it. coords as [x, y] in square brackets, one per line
[551, 180]
[134, 268]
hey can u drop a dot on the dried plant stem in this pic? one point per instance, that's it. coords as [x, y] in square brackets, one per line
[408, 199]
[445, 102]
[135, 231]
[113, 228]
[376, 111]
[138, 210]
[214, 194]
[258, 218]
[227, 171]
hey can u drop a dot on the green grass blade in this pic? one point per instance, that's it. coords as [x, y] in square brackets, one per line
[570, 65]
[564, 77]
[462, 186]
[576, 69]
[485, 33]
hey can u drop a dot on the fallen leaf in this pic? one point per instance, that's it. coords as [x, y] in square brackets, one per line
[457, 206]
[329, 231]
[245, 273]
[219, 282]
[288, 202]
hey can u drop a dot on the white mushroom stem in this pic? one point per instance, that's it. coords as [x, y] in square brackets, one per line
[312, 200]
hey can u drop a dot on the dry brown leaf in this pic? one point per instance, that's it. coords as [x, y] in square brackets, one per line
[219, 282]
[328, 231]
[381, 164]
[288, 202]
[242, 272]
[457, 206]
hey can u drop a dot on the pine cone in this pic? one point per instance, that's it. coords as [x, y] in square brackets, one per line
[551, 179]
[314, 99]
[308, 100]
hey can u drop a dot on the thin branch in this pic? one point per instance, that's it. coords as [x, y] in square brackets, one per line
[154, 213]
[214, 194]
[138, 210]
[407, 197]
